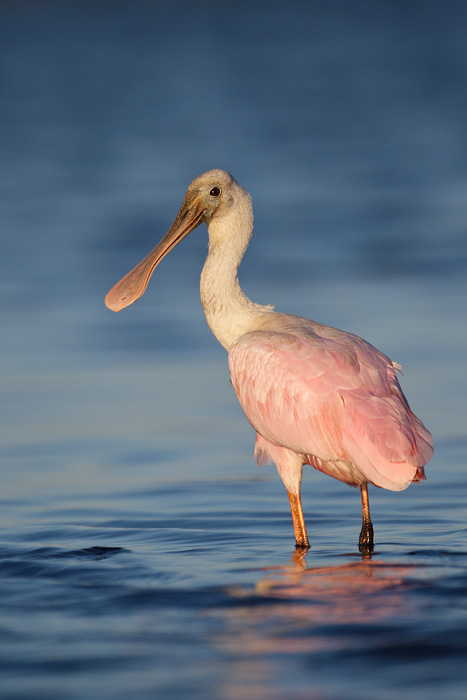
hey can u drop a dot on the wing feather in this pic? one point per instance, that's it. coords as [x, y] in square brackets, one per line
[331, 395]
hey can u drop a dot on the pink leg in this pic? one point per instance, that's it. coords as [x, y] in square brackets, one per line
[301, 538]
[289, 465]
[365, 543]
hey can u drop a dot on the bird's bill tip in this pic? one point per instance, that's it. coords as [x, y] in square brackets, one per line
[114, 302]
[131, 287]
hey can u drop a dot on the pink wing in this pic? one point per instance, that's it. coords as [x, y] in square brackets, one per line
[324, 393]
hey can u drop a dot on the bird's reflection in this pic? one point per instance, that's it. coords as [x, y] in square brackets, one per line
[303, 609]
[362, 590]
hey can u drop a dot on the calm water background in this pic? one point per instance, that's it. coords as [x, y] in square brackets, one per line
[142, 553]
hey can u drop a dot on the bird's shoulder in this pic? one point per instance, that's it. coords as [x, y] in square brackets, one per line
[307, 351]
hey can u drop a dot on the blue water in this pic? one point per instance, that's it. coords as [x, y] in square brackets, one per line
[142, 553]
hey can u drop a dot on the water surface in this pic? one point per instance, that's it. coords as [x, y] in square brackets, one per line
[142, 552]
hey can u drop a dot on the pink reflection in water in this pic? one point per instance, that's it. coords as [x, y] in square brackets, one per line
[315, 611]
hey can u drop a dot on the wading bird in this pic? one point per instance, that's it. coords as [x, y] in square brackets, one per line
[314, 394]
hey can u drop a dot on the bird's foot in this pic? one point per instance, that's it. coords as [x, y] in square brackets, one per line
[365, 542]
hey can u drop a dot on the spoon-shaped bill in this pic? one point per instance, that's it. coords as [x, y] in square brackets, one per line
[133, 285]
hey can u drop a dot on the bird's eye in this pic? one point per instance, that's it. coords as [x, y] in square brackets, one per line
[215, 192]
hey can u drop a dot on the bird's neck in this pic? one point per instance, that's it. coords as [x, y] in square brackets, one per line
[229, 312]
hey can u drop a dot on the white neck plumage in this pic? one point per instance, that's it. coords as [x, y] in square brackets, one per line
[229, 312]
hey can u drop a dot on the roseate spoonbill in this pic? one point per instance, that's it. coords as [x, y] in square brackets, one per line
[314, 394]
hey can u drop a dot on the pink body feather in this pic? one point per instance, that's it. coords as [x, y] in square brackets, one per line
[316, 395]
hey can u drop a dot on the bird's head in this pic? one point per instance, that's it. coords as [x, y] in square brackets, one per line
[210, 196]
